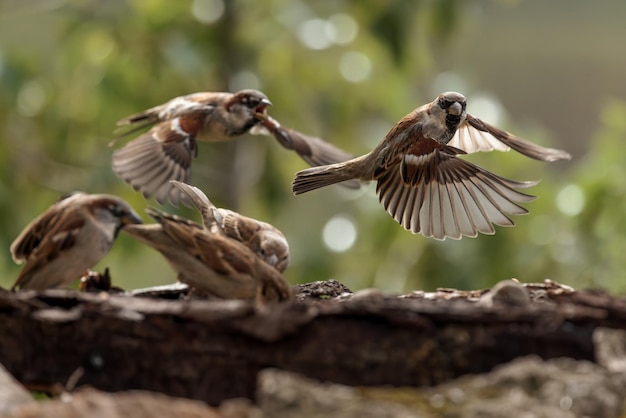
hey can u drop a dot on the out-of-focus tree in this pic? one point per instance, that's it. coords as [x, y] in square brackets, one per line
[345, 71]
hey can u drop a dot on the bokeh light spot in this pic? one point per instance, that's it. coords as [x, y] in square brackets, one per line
[341, 28]
[487, 106]
[98, 46]
[31, 98]
[312, 33]
[355, 66]
[339, 234]
[207, 11]
[570, 200]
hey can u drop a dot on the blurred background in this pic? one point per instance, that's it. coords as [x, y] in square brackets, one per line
[551, 72]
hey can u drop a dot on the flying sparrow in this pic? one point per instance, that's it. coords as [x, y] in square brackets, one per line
[424, 185]
[209, 262]
[70, 237]
[265, 240]
[167, 150]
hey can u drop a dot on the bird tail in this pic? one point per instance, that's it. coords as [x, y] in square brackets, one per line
[316, 177]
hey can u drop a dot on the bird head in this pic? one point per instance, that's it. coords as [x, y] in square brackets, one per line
[253, 100]
[113, 211]
[453, 104]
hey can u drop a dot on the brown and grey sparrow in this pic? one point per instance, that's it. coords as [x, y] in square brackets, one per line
[265, 240]
[424, 185]
[167, 150]
[70, 237]
[211, 262]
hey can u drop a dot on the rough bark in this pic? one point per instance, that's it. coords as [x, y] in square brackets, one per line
[213, 350]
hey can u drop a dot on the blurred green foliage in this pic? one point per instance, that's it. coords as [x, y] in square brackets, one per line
[346, 71]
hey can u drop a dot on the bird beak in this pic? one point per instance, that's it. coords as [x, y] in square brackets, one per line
[131, 218]
[263, 105]
[455, 109]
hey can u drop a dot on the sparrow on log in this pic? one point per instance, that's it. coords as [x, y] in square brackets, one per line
[265, 240]
[70, 237]
[211, 263]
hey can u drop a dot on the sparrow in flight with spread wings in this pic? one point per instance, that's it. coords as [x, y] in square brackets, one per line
[424, 185]
[211, 262]
[265, 240]
[70, 237]
[167, 150]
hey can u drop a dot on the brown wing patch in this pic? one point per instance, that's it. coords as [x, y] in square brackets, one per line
[192, 122]
[61, 238]
[65, 237]
[217, 252]
[238, 227]
[32, 235]
[40, 229]
[398, 143]
[423, 146]
[238, 256]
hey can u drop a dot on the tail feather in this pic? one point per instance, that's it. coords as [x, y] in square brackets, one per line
[316, 177]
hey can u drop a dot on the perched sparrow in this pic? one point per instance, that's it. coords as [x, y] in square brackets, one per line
[422, 183]
[166, 151]
[69, 238]
[265, 240]
[211, 262]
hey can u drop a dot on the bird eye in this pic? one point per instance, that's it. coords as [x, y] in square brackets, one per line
[444, 103]
[116, 210]
[250, 101]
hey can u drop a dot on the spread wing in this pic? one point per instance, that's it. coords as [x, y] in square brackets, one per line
[313, 150]
[474, 135]
[165, 152]
[433, 192]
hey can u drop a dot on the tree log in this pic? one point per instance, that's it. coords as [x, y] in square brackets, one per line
[213, 350]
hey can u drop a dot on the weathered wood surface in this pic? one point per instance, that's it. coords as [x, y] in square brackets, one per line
[213, 350]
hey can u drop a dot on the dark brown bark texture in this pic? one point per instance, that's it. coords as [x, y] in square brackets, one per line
[213, 350]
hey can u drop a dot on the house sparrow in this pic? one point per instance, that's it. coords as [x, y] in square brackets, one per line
[265, 240]
[166, 151]
[210, 262]
[423, 184]
[70, 237]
